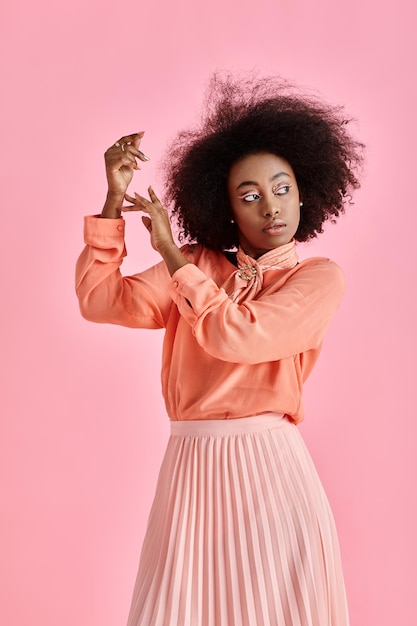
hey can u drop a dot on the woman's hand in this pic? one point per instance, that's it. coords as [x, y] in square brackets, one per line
[157, 223]
[156, 219]
[121, 160]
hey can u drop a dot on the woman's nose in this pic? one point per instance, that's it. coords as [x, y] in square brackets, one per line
[271, 208]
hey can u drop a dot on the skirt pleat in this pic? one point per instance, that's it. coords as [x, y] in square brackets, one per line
[240, 532]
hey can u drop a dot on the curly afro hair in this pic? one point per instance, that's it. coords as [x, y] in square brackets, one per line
[248, 116]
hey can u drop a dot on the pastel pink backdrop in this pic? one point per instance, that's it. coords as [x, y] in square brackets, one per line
[83, 425]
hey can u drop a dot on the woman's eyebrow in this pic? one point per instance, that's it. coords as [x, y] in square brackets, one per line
[252, 182]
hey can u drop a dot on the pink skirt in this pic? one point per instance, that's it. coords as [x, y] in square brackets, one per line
[240, 532]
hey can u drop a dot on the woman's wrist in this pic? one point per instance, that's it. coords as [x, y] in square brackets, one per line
[173, 257]
[112, 205]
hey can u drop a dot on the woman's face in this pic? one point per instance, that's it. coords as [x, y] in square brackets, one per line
[265, 202]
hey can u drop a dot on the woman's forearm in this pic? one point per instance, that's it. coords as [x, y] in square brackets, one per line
[173, 257]
[112, 206]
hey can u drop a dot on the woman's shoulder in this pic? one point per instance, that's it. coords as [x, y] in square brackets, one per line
[320, 264]
[320, 270]
[307, 276]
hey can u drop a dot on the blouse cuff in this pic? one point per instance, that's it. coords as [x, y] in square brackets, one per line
[103, 233]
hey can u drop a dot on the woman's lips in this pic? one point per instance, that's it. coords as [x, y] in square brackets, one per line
[274, 228]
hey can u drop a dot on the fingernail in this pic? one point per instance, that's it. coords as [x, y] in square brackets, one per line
[144, 156]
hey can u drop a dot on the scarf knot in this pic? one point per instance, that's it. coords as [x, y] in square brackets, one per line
[247, 280]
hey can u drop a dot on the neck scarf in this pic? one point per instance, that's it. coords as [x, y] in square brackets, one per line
[247, 280]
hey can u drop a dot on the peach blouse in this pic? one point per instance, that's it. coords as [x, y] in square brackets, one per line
[221, 360]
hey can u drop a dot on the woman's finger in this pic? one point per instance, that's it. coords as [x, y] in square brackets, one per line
[137, 153]
[144, 202]
[134, 154]
[136, 199]
[131, 199]
[138, 203]
[117, 159]
[115, 152]
[154, 197]
[127, 208]
[133, 138]
[129, 144]
[135, 206]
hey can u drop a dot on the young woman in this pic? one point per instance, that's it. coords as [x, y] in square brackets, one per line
[240, 532]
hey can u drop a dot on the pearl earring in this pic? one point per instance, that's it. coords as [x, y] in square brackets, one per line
[301, 203]
[232, 221]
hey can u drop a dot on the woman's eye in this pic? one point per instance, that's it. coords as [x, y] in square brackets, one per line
[251, 197]
[281, 191]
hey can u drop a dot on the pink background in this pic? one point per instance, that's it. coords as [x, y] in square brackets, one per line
[83, 426]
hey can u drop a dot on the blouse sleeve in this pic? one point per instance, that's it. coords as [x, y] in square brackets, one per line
[139, 301]
[281, 324]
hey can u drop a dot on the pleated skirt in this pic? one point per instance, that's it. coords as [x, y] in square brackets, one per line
[240, 532]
